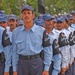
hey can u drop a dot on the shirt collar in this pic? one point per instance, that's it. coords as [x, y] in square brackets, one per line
[22, 28]
[52, 32]
[69, 28]
[33, 28]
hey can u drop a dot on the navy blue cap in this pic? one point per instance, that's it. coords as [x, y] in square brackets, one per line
[70, 17]
[47, 17]
[72, 12]
[12, 16]
[54, 20]
[65, 17]
[20, 22]
[3, 17]
[2, 12]
[39, 22]
[27, 7]
[60, 19]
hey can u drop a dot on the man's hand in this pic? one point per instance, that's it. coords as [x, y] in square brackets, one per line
[14, 73]
[6, 73]
[45, 73]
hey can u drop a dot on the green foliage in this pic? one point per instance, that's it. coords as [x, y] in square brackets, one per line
[11, 6]
[51, 6]
[59, 6]
[33, 3]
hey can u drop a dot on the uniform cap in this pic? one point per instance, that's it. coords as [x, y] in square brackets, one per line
[39, 22]
[12, 16]
[70, 17]
[60, 19]
[20, 22]
[27, 7]
[3, 17]
[47, 17]
[72, 12]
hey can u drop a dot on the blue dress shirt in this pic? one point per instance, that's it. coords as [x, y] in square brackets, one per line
[8, 53]
[29, 42]
[1, 32]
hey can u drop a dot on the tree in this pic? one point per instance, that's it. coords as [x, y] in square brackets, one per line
[51, 6]
[59, 6]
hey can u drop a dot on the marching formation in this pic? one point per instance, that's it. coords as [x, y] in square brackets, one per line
[37, 46]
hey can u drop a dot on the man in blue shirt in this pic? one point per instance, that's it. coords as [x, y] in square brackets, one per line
[6, 47]
[73, 16]
[48, 19]
[12, 23]
[27, 45]
[1, 47]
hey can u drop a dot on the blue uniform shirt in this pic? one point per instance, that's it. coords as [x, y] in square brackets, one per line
[52, 38]
[29, 43]
[8, 53]
[1, 32]
[73, 26]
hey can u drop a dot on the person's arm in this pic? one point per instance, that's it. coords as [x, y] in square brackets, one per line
[47, 57]
[48, 53]
[8, 58]
[1, 46]
[14, 53]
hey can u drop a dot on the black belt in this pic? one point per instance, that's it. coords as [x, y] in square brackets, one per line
[29, 57]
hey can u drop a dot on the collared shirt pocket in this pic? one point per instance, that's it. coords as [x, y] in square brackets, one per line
[37, 42]
[20, 45]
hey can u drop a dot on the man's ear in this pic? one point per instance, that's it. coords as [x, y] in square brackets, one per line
[33, 16]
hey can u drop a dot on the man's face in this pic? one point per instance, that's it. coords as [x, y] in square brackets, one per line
[60, 25]
[73, 17]
[27, 16]
[0, 24]
[48, 23]
[12, 24]
[54, 24]
[3, 24]
[70, 21]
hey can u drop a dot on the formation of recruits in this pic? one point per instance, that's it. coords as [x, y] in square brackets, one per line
[37, 46]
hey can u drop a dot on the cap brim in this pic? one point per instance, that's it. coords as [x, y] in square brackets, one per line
[60, 21]
[3, 20]
[12, 18]
[26, 9]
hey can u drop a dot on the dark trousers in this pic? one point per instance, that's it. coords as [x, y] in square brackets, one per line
[73, 68]
[11, 71]
[69, 71]
[51, 68]
[1, 68]
[30, 67]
